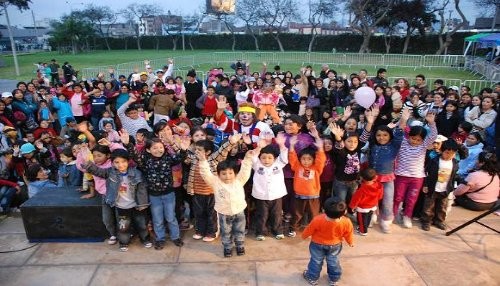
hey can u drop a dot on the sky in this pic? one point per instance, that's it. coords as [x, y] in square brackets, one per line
[57, 8]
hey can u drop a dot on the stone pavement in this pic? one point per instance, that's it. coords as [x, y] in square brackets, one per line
[405, 257]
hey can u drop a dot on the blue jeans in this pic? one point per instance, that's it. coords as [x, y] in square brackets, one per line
[318, 253]
[109, 217]
[344, 189]
[6, 196]
[125, 218]
[232, 227]
[386, 206]
[163, 208]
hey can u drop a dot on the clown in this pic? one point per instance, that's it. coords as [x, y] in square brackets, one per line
[245, 122]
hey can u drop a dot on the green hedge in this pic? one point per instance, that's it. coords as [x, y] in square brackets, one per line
[291, 42]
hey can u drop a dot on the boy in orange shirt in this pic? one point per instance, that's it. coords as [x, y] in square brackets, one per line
[307, 166]
[365, 200]
[327, 232]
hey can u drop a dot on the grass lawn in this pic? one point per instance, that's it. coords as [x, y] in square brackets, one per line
[112, 58]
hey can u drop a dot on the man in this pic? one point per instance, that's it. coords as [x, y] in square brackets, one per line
[54, 72]
[68, 71]
[381, 77]
[421, 85]
[194, 90]
[363, 76]
[324, 71]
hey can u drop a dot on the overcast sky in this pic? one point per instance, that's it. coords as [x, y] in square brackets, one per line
[57, 8]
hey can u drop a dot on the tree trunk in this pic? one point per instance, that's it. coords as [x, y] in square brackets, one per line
[256, 41]
[311, 42]
[126, 44]
[139, 43]
[277, 38]
[157, 46]
[407, 41]
[233, 47]
[366, 43]
[107, 43]
[73, 47]
[387, 42]
[174, 43]
[441, 45]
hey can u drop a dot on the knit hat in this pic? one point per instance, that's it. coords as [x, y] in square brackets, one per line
[191, 73]
[27, 148]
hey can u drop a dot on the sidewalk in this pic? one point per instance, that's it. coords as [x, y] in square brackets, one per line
[405, 257]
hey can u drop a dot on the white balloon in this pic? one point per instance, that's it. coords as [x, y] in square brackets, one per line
[365, 96]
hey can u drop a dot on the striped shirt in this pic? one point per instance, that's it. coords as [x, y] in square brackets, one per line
[410, 160]
[129, 124]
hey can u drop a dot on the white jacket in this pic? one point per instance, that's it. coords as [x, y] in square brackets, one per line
[229, 198]
[269, 182]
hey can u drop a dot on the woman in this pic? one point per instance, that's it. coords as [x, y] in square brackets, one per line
[480, 190]
[384, 102]
[404, 88]
[484, 115]
[437, 105]
[474, 145]
[20, 104]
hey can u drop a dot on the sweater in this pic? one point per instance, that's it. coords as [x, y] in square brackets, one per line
[269, 182]
[325, 231]
[367, 197]
[410, 160]
[229, 198]
[306, 182]
[129, 124]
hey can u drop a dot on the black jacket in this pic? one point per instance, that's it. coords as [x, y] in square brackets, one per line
[432, 172]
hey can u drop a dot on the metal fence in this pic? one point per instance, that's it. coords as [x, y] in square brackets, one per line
[184, 63]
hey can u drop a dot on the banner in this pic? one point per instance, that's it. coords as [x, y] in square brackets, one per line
[221, 6]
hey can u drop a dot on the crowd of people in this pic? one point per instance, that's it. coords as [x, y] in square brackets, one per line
[266, 150]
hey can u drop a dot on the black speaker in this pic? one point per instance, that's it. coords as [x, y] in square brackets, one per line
[59, 215]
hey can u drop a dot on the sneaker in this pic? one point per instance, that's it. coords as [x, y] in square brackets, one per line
[112, 240]
[407, 222]
[228, 252]
[309, 280]
[178, 242]
[240, 250]
[209, 238]
[260, 238]
[373, 220]
[361, 233]
[123, 247]
[385, 225]
[279, 236]
[291, 233]
[197, 236]
[159, 244]
[147, 244]
[440, 225]
[426, 226]
[333, 283]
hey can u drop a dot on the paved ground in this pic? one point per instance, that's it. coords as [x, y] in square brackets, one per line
[405, 257]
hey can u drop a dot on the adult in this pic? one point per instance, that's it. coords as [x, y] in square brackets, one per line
[482, 116]
[381, 77]
[163, 103]
[404, 88]
[194, 90]
[54, 72]
[77, 99]
[480, 190]
[68, 72]
[474, 145]
[421, 85]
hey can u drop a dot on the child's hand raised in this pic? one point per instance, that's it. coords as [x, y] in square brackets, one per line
[184, 143]
[221, 102]
[250, 153]
[280, 139]
[104, 142]
[262, 143]
[235, 138]
[314, 132]
[293, 141]
[124, 136]
[337, 131]
[430, 117]
[247, 139]
[405, 115]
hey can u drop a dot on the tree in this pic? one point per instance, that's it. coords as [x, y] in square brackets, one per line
[491, 8]
[274, 14]
[137, 13]
[415, 14]
[21, 5]
[446, 37]
[318, 11]
[72, 30]
[368, 14]
[229, 21]
[247, 13]
[99, 16]
[196, 20]
[173, 26]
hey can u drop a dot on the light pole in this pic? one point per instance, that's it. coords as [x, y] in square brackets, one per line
[12, 43]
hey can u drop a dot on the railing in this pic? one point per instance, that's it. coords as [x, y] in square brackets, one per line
[184, 63]
[480, 66]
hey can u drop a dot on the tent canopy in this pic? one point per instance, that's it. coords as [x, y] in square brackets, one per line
[475, 38]
[493, 39]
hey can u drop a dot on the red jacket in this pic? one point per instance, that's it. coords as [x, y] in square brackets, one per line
[367, 196]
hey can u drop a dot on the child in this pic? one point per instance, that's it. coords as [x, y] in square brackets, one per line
[307, 166]
[125, 190]
[106, 117]
[113, 135]
[326, 178]
[208, 103]
[69, 175]
[269, 187]
[44, 112]
[157, 163]
[438, 184]
[266, 100]
[327, 232]
[464, 128]
[203, 194]
[365, 200]
[229, 198]
[410, 168]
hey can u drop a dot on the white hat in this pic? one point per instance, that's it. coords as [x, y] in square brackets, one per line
[6, 94]
[455, 88]
[440, 138]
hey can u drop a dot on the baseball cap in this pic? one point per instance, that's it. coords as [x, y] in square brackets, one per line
[159, 70]
[143, 73]
[27, 148]
[6, 94]
[440, 138]
[454, 87]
